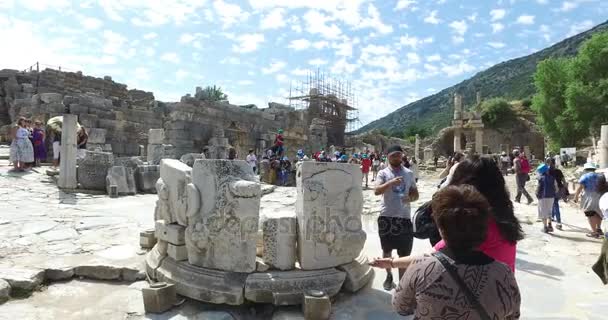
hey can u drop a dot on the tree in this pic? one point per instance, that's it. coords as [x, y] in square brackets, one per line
[571, 100]
[210, 93]
[497, 113]
[413, 130]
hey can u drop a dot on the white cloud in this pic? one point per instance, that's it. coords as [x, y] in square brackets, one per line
[525, 19]
[459, 27]
[149, 52]
[472, 17]
[316, 23]
[186, 38]
[300, 72]
[374, 21]
[497, 27]
[273, 20]
[413, 42]
[496, 45]
[245, 82]
[432, 18]
[413, 58]
[497, 14]
[248, 42]
[170, 57]
[435, 57]
[568, 5]
[542, 1]
[281, 78]
[453, 70]
[580, 27]
[181, 74]
[344, 49]
[404, 4]
[317, 62]
[150, 35]
[274, 67]
[113, 42]
[321, 44]
[229, 13]
[431, 68]
[91, 23]
[457, 39]
[343, 67]
[299, 44]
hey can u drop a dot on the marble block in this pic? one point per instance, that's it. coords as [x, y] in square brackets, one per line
[122, 178]
[177, 253]
[146, 177]
[93, 169]
[279, 241]
[288, 287]
[221, 232]
[202, 284]
[358, 274]
[156, 136]
[328, 209]
[176, 175]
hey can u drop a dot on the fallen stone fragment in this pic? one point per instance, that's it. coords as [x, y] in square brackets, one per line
[59, 274]
[260, 265]
[132, 275]
[147, 239]
[5, 291]
[159, 297]
[22, 281]
[287, 287]
[358, 274]
[98, 272]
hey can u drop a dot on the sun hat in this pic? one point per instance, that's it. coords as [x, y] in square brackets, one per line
[589, 166]
[394, 149]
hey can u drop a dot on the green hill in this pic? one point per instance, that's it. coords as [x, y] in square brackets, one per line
[512, 80]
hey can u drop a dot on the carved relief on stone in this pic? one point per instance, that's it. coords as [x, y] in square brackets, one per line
[328, 210]
[221, 234]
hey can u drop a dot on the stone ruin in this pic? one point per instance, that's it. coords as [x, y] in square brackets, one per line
[208, 228]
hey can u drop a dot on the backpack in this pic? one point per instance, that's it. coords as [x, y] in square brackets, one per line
[525, 165]
[423, 223]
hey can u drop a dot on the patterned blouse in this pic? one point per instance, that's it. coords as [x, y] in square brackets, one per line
[428, 291]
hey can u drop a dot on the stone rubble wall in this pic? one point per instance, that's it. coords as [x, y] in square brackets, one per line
[190, 124]
[125, 115]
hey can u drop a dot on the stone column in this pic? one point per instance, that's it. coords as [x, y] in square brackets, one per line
[479, 141]
[603, 146]
[67, 167]
[457, 144]
[457, 106]
[417, 148]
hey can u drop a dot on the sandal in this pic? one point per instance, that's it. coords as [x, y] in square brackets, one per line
[593, 235]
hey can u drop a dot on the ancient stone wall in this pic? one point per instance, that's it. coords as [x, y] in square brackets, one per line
[126, 115]
[192, 122]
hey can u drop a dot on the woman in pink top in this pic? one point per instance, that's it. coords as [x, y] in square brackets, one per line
[504, 229]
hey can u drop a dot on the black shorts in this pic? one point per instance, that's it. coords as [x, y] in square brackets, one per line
[396, 234]
[591, 214]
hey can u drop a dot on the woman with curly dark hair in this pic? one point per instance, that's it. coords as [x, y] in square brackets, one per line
[504, 230]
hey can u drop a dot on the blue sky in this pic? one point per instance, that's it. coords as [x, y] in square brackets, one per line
[393, 51]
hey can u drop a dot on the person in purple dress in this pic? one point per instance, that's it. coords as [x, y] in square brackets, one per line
[38, 140]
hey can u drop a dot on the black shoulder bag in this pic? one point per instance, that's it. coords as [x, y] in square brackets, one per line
[467, 292]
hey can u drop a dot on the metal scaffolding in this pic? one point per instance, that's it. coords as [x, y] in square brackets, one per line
[328, 98]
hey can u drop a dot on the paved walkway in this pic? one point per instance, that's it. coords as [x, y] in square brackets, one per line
[42, 226]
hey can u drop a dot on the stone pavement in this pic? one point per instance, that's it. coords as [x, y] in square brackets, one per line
[44, 228]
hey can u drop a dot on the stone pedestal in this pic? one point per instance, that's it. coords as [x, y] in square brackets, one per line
[159, 297]
[67, 166]
[603, 147]
[328, 208]
[122, 178]
[428, 155]
[316, 306]
[223, 219]
[479, 141]
[146, 177]
[417, 148]
[457, 143]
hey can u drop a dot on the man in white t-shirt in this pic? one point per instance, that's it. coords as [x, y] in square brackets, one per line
[252, 160]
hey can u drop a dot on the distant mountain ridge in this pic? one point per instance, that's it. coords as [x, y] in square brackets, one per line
[511, 79]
